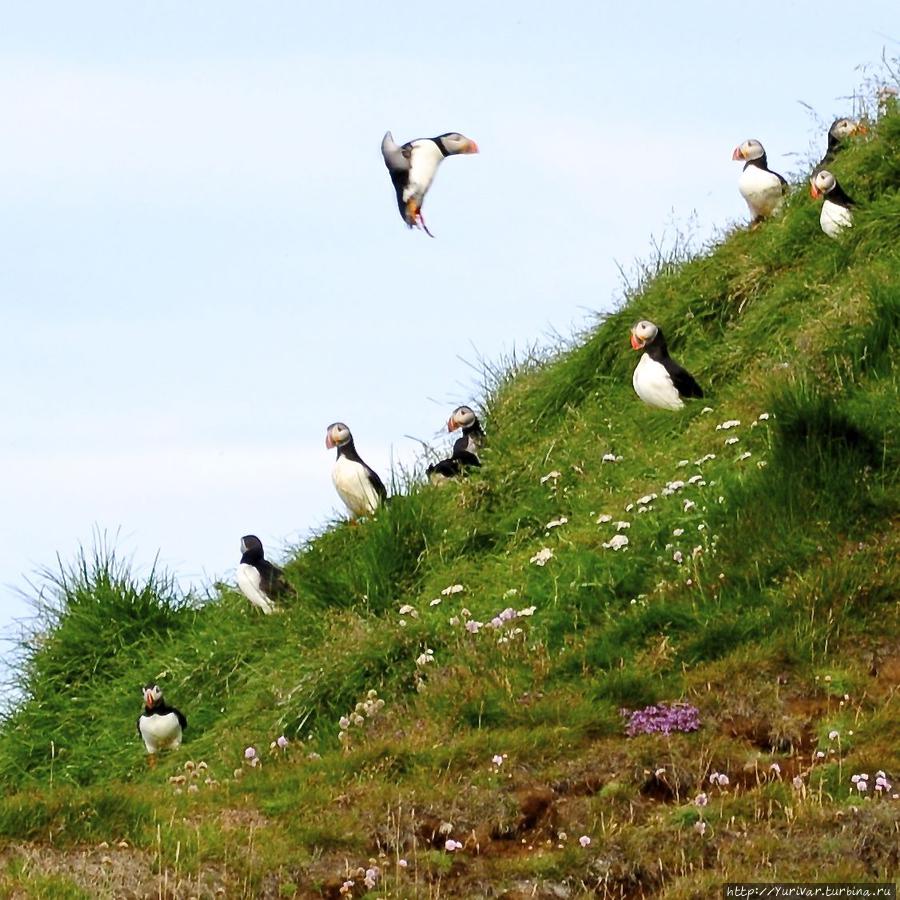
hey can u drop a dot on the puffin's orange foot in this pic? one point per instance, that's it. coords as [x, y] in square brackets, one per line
[151, 761]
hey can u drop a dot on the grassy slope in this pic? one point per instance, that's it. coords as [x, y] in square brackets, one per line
[781, 624]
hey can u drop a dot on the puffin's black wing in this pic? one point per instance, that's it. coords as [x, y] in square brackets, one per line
[138, 723]
[684, 382]
[272, 579]
[397, 159]
[182, 721]
[376, 482]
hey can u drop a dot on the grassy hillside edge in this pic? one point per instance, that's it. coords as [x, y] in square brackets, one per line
[758, 584]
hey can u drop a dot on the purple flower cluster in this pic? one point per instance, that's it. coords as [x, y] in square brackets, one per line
[663, 718]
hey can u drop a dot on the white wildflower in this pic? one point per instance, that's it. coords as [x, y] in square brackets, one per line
[603, 519]
[629, 507]
[678, 556]
[732, 440]
[453, 589]
[678, 532]
[682, 463]
[731, 423]
[688, 505]
[407, 610]
[528, 611]
[610, 457]
[647, 498]
[694, 479]
[542, 556]
[435, 602]
[555, 523]
[551, 475]
[763, 416]
[745, 455]
[621, 526]
[616, 542]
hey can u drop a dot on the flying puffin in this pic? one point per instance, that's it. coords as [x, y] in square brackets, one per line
[159, 725]
[413, 166]
[836, 210]
[358, 486]
[658, 380]
[257, 578]
[464, 448]
[838, 133]
[762, 188]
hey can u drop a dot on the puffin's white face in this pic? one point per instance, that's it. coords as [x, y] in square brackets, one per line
[461, 417]
[152, 695]
[844, 128]
[455, 142]
[822, 184]
[337, 435]
[750, 149]
[642, 333]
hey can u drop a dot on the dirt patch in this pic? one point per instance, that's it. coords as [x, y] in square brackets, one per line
[112, 872]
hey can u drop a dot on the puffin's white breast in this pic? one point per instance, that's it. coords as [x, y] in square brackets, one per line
[761, 190]
[248, 579]
[354, 488]
[424, 161]
[654, 386]
[161, 732]
[834, 217]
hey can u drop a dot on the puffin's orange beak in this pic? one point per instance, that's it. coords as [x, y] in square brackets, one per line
[814, 192]
[472, 148]
[635, 343]
[329, 442]
[737, 153]
[861, 129]
[148, 698]
[452, 424]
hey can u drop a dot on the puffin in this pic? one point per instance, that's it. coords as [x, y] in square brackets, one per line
[762, 188]
[357, 485]
[159, 725]
[836, 209]
[464, 448]
[658, 380]
[413, 166]
[838, 133]
[257, 578]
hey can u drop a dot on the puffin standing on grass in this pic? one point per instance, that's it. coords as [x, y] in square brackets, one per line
[836, 210]
[257, 578]
[413, 166]
[762, 188]
[357, 485]
[464, 448]
[658, 380]
[159, 725]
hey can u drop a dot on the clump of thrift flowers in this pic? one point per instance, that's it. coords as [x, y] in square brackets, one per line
[366, 709]
[662, 718]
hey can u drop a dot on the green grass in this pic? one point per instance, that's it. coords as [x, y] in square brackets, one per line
[763, 591]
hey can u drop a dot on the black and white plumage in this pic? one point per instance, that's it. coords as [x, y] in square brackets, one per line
[658, 380]
[465, 448]
[357, 485]
[762, 189]
[839, 133]
[260, 582]
[836, 212]
[413, 166]
[160, 726]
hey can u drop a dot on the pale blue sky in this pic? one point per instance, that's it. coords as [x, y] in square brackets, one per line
[202, 263]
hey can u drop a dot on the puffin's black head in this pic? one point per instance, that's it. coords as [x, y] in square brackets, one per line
[821, 184]
[750, 150]
[453, 142]
[841, 129]
[152, 695]
[338, 435]
[462, 417]
[643, 333]
[252, 546]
